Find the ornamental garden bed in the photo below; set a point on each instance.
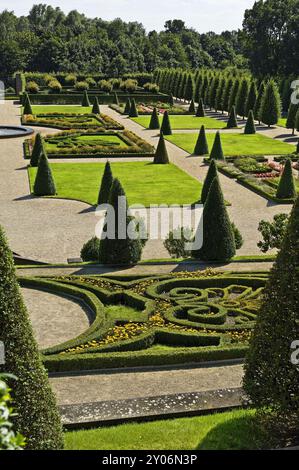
(144, 182)
(262, 177)
(104, 98)
(173, 319)
(72, 121)
(83, 144)
(235, 145)
(147, 109)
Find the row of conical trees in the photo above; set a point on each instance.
(27, 107)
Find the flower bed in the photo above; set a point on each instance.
(179, 318)
(72, 121)
(146, 109)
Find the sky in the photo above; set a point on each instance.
(202, 15)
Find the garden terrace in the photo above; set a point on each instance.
(235, 144)
(72, 121)
(72, 144)
(260, 176)
(143, 182)
(171, 319)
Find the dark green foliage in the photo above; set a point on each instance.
(166, 127)
(250, 126)
(239, 242)
(37, 417)
(270, 106)
(218, 236)
(38, 148)
(133, 110)
(242, 98)
(273, 233)
(271, 379)
(297, 120)
(251, 99)
(217, 151)
(257, 106)
(154, 122)
(90, 250)
(286, 187)
(201, 146)
(161, 155)
(171, 100)
(115, 99)
(27, 106)
(128, 106)
(189, 90)
(226, 94)
(121, 249)
(291, 120)
(219, 95)
(211, 175)
(233, 94)
(106, 184)
(232, 120)
(213, 92)
(176, 240)
(85, 99)
(200, 109)
(96, 106)
(44, 184)
(192, 107)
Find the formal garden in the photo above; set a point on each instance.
(203, 335)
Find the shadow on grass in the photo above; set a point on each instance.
(236, 434)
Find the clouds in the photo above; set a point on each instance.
(203, 15)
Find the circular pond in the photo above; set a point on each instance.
(14, 131)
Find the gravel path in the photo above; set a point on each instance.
(54, 318)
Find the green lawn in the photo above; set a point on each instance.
(144, 182)
(45, 109)
(282, 122)
(185, 122)
(234, 430)
(236, 144)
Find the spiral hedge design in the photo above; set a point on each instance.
(157, 320)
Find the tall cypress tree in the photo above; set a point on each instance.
(133, 110)
(161, 154)
(242, 98)
(232, 120)
(85, 99)
(38, 148)
(192, 107)
(291, 120)
(200, 110)
(219, 95)
(96, 106)
(286, 187)
(217, 151)
(213, 92)
(212, 173)
(44, 184)
(251, 99)
(218, 236)
(257, 106)
(166, 126)
(36, 415)
(154, 122)
(106, 183)
(233, 94)
(226, 94)
(189, 90)
(128, 106)
(121, 249)
(271, 380)
(271, 105)
(250, 126)
(201, 146)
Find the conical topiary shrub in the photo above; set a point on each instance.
(128, 106)
(192, 107)
(154, 122)
(96, 106)
(85, 100)
(38, 148)
(257, 106)
(250, 126)
(200, 109)
(271, 378)
(286, 187)
(292, 117)
(252, 97)
(161, 155)
(121, 249)
(36, 414)
(270, 111)
(212, 173)
(217, 151)
(107, 180)
(218, 236)
(201, 146)
(44, 184)
(133, 110)
(27, 106)
(232, 120)
(166, 127)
